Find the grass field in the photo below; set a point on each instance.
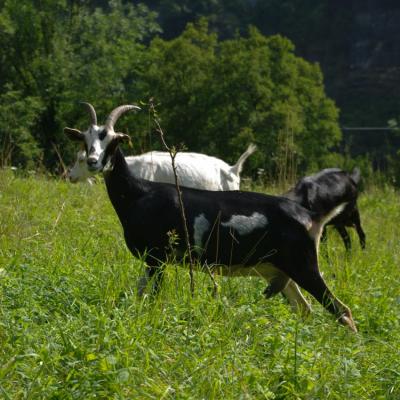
(72, 327)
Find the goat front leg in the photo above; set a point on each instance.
(361, 236)
(142, 283)
(324, 235)
(280, 282)
(312, 281)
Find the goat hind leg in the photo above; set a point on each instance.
(151, 272)
(277, 283)
(345, 236)
(359, 229)
(296, 299)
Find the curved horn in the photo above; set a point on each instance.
(117, 112)
(91, 111)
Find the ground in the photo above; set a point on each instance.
(72, 326)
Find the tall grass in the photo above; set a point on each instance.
(72, 327)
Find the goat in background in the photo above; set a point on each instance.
(328, 188)
(195, 170)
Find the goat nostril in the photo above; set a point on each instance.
(91, 161)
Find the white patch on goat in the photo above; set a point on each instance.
(296, 299)
(200, 226)
(315, 231)
(79, 172)
(304, 220)
(244, 224)
(97, 147)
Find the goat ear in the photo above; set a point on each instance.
(123, 137)
(74, 134)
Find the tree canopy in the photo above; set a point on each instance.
(55, 54)
(217, 96)
(214, 95)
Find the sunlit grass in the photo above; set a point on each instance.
(72, 326)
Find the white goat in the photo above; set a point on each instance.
(194, 170)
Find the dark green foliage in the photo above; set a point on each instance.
(18, 115)
(55, 54)
(215, 96)
(356, 44)
(218, 83)
(219, 96)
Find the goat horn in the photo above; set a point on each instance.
(116, 113)
(91, 111)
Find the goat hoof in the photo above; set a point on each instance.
(269, 292)
(347, 320)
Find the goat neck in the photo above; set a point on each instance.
(123, 188)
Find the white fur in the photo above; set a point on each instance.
(98, 146)
(296, 299)
(315, 230)
(244, 224)
(194, 170)
(79, 172)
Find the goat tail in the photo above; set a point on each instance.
(356, 175)
(237, 168)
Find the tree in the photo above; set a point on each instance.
(18, 115)
(176, 73)
(57, 53)
(218, 96)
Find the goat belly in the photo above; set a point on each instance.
(231, 248)
(264, 270)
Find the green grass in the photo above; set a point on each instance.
(72, 327)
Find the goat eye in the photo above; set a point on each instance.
(102, 134)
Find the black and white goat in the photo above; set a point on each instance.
(234, 233)
(326, 189)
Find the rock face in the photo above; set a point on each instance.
(373, 60)
(357, 44)
(366, 81)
